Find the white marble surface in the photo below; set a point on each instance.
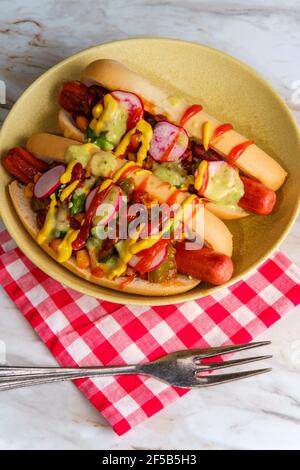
(258, 413)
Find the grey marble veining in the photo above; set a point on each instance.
(263, 412)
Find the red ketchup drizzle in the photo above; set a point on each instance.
(148, 255)
(79, 243)
(134, 118)
(172, 198)
(237, 151)
(126, 281)
(142, 186)
(169, 149)
(221, 130)
(128, 171)
(204, 183)
(190, 112)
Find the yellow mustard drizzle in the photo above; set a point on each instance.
(150, 241)
(142, 171)
(97, 110)
(200, 174)
(125, 253)
(121, 148)
(105, 185)
(64, 250)
(121, 170)
(132, 245)
(174, 100)
(146, 135)
(189, 200)
(146, 130)
(206, 131)
(50, 222)
(103, 114)
(116, 271)
(67, 175)
(68, 190)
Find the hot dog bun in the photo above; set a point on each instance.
(138, 286)
(215, 232)
(253, 161)
(226, 213)
(49, 147)
(68, 126)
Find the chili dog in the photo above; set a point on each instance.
(208, 157)
(112, 75)
(154, 266)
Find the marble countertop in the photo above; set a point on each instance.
(262, 412)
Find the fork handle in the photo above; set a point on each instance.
(16, 377)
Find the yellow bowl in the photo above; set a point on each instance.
(227, 89)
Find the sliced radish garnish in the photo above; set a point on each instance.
(89, 198)
(48, 182)
(168, 143)
(133, 105)
(109, 206)
(137, 261)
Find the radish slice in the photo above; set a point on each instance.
(168, 143)
(109, 206)
(48, 182)
(89, 198)
(157, 260)
(133, 105)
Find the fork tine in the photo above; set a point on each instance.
(220, 351)
(209, 380)
(233, 362)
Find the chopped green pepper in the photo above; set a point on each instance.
(59, 234)
(107, 257)
(127, 186)
(78, 201)
(94, 243)
(100, 140)
(167, 269)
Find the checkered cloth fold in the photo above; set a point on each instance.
(80, 330)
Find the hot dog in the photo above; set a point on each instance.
(211, 266)
(146, 266)
(22, 165)
(209, 140)
(257, 198)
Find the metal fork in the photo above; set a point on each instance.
(181, 369)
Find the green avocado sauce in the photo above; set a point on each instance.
(112, 132)
(173, 173)
(103, 164)
(225, 187)
(79, 153)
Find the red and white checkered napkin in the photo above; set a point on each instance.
(81, 330)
